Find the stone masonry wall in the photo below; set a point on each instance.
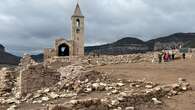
(6, 80)
(35, 77)
(122, 59)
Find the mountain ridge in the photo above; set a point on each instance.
(166, 42)
(8, 58)
(125, 45)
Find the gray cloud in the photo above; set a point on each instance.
(31, 25)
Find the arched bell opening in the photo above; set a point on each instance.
(78, 23)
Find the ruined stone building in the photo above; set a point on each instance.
(73, 47)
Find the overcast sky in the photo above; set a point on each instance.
(28, 26)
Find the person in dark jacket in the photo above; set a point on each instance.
(160, 57)
(184, 55)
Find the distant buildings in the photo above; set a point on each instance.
(167, 46)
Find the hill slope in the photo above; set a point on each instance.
(38, 57)
(7, 58)
(123, 46)
(133, 45)
(171, 41)
(2, 48)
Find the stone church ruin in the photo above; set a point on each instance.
(69, 48)
(30, 76)
(34, 76)
(67, 74)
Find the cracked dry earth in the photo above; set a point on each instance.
(162, 73)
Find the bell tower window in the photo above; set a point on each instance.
(78, 23)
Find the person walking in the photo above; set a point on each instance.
(184, 55)
(173, 55)
(160, 57)
(166, 57)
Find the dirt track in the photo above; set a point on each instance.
(163, 73)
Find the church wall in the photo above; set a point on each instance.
(49, 53)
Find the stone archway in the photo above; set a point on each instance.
(63, 50)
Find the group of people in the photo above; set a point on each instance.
(167, 56)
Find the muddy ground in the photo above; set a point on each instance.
(163, 73)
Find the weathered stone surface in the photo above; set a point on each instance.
(156, 101)
(127, 98)
(60, 107)
(26, 60)
(35, 77)
(79, 79)
(122, 59)
(130, 108)
(6, 81)
(86, 104)
(13, 107)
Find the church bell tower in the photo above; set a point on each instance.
(77, 32)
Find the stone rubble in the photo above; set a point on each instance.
(26, 60)
(121, 97)
(81, 80)
(77, 80)
(121, 59)
(7, 80)
(156, 101)
(129, 99)
(13, 107)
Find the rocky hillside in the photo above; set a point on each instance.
(38, 58)
(133, 45)
(7, 58)
(171, 41)
(123, 46)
